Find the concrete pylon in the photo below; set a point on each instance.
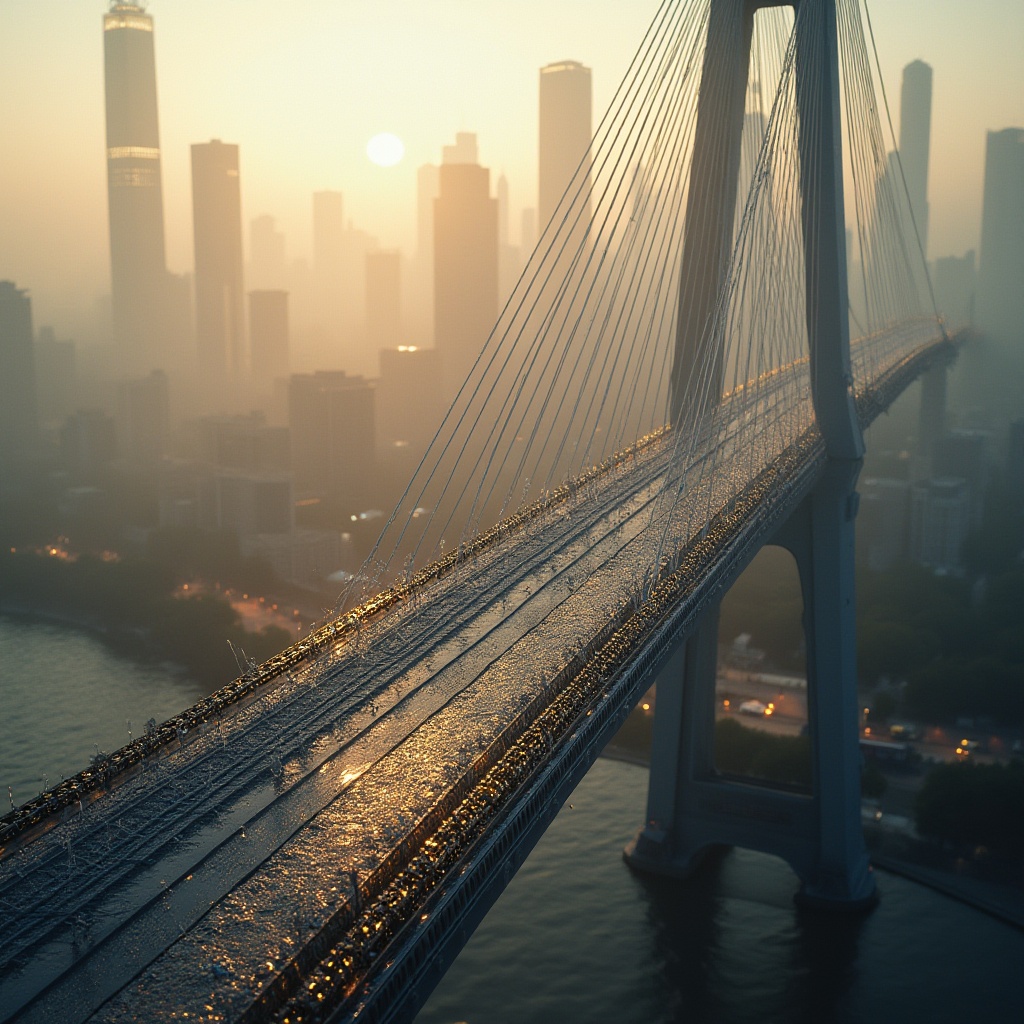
(691, 808)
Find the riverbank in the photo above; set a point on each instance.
(987, 884)
(135, 608)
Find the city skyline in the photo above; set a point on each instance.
(53, 213)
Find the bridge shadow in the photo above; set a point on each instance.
(731, 944)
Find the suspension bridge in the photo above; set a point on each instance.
(671, 386)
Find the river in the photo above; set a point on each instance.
(64, 693)
(577, 936)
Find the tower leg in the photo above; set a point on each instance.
(691, 808)
(682, 751)
(820, 537)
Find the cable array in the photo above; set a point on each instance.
(649, 256)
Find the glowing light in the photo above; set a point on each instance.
(385, 150)
(133, 153)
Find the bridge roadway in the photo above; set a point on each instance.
(194, 885)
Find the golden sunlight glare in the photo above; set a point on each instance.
(385, 149)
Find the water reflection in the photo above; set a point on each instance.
(578, 936)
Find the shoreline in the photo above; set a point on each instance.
(94, 628)
(1003, 902)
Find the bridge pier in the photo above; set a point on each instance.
(691, 808)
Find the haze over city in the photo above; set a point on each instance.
(357, 552)
(302, 87)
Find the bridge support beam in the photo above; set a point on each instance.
(691, 809)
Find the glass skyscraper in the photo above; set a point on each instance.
(135, 195)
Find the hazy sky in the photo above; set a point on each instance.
(301, 85)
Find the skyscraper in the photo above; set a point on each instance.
(134, 190)
(19, 424)
(1001, 269)
(383, 298)
(267, 267)
(331, 418)
(915, 140)
(268, 335)
(465, 266)
(217, 225)
(565, 137)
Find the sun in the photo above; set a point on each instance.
(385, 150)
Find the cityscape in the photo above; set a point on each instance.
(397, 410)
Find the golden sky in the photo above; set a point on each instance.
(301, 86)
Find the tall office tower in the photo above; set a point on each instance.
(465, 268)
(915, 140)
(331, 418)
(565, 137)
(463, 152)
(268, 337)
(1001, 270)
(383, 298)
(134, 191)
(217, 225)
(421, 290)
(19, 420)
(267, 267)
(509, 259)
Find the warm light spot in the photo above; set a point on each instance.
(385, 150)
(647, 707)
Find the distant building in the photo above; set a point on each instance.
(383, 298)
(966, 455)
(304, 556)
(55, 376)
(409, 402)
(465, 264)
(883, 522)
(252, 503)
(464, 151)
(143, 418)
(510, 260)
(243, 442)
(428, 184)
(268, 337)
(915, 141)
(939, 523)
(134, 191)
(331, 419)
(954, 279)
(1001, 270)
(267, 265)
(19, 416)
(565, 137)
(217, 225)
(88, 443)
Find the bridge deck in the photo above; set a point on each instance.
(196, 883)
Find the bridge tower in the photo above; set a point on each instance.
(690, 808)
